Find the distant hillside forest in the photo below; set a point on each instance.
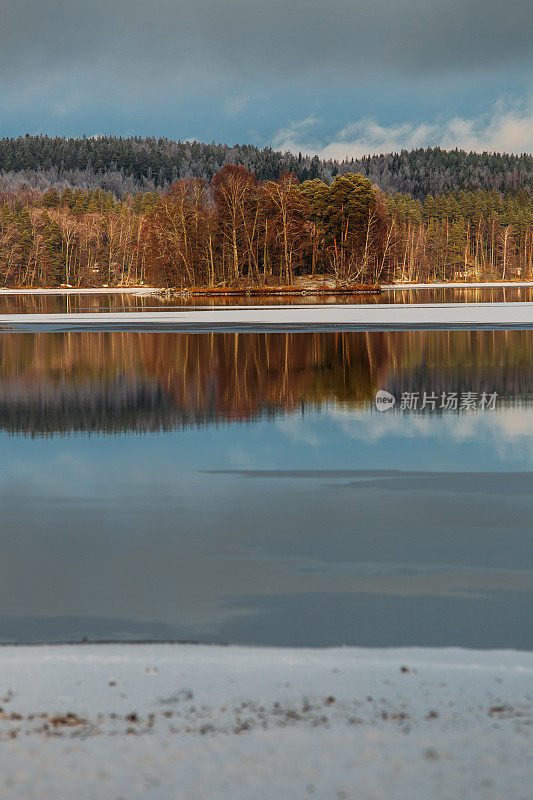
(239, 230)
(122, 166)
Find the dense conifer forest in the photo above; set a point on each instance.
(124, 165)
(97, 212)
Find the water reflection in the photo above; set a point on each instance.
(267, 500)
(142, 382)
(466, 295)
(71, 303)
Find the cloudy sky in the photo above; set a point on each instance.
(337, 77)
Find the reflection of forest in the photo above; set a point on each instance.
(73, 303)
(460, 361)
(141, 381)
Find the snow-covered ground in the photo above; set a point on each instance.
(444, 316)
(185, 721)
(452, 285)
(138, 290)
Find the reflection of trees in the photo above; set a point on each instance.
(239, 375)
(460, 361)
(69, 303)
(46, 408)
(161, 381)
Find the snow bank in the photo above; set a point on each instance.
(443, 285)
(138, 290)
(444, 316)
(185, 721)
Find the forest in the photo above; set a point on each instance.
(239, 230)
(122, 166)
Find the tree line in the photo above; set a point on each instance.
(122, 166)
(239, 230)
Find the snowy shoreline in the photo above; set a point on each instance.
(141, 291)
(433, 316)
(452, 285)
(194, 721)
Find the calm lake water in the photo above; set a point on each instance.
(50, 304)
(244, 487)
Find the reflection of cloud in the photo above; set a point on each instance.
(514, 423)
(64, 474)
(369, 426)
(510, 430)
(291, 428)
(240, 458)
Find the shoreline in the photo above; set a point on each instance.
(454, 285)
(138, 290)
(149, 290)
(138, 721)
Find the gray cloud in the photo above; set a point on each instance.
(132, 42)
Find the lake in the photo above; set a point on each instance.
(245, 488)
(75, 303)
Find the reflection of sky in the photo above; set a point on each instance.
(334, 438)
(479, 440)
(133, 527)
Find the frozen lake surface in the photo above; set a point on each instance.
(297, 318)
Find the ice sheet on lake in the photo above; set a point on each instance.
(434, 316)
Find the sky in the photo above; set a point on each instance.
(340, 78)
